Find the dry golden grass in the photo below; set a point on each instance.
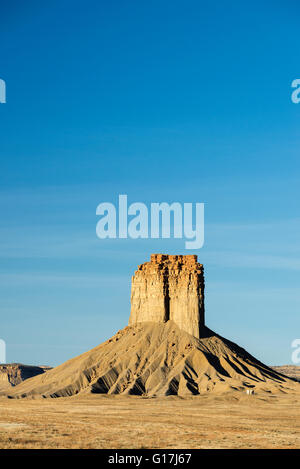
(229, 421)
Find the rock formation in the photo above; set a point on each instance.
(165, 350)
(12, 374)
(158, 359)
(169, 288)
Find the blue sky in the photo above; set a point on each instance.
(163, 101)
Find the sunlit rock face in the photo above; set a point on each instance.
(169, 288)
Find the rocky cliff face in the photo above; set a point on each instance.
(169, 288)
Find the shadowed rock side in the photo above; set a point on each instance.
(152, 359)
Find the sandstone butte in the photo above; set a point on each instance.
(165, 350)
(169, 288)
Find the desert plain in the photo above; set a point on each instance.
(233, 420)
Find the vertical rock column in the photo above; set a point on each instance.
(169, 287)
(148, 294)
(186, 290)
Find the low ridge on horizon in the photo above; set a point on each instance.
(12, 374)
(165, 350)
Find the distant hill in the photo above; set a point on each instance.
(12, 374)
(293, 371)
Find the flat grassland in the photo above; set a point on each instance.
(98, 421)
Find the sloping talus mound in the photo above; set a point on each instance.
(153, 359)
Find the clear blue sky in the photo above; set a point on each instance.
(163, 101)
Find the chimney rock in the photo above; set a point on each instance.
(169, 288)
